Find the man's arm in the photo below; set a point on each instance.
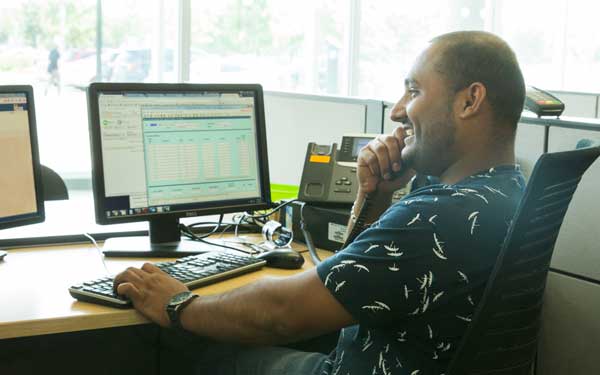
(269, 311)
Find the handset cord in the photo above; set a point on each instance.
(359, 226)
(312, 251)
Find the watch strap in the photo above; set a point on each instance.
(174, 310)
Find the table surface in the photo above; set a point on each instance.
(34, 284)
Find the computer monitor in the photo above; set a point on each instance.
(21, 200)
(165, 151)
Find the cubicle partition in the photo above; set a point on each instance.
(579, 104)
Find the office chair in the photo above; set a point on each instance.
(54, 188)
(502, 337)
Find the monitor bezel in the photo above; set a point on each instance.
(98, 183)
(40, 215)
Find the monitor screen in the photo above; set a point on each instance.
(20, 188)
(174, 150)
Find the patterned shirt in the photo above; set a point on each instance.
(413, 279)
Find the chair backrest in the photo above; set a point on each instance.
(502, 336)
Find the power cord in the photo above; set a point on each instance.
(260, 217)
(187, 229)
(273, 210)
(187, 232)
(99, 252)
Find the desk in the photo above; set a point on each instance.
(43, 329)
(34, 293)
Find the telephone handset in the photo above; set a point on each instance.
(542, 103)
(359, 224)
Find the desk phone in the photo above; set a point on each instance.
(329, 174)
(542, 103)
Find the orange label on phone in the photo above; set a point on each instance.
(320, 158)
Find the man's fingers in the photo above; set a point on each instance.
(399, 133)
(130, 291)
(130, 275)
(369, 159)
(381, 160)
(394, 148)
(381, 151)
(151, 268)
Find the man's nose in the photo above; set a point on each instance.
(398, 112)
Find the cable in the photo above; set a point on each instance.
(244, 217)
(99, 252)
(314, 257)
(359, 226)
(215, 229)
(186, 231)
(272, 210)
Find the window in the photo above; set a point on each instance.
(538, 44)
(340, 47)
(392, 33)
(582, 55)
(52, 45)
(283, 45)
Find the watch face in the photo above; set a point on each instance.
(179, 298)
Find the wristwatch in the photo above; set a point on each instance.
(177, 303)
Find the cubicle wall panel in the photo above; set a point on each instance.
(529, 145)
(578, 105)
(570, 335)
(578, 245)
(293, 121)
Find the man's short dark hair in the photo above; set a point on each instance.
(477, 56)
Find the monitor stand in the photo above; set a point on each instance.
(2, 254)
(164, 241)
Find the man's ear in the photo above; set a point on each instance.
(470, 100)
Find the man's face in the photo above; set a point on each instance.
(426, 108)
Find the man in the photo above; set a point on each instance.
(404, 291)
(54, 74)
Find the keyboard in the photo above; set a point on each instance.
(193, 271)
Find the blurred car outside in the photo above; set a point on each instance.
(80, 72)
(135, 65)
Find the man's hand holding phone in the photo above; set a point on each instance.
(381, 171)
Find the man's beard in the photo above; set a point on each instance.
(432, 153)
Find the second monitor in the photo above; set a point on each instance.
(165, 151)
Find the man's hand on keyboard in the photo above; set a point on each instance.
(149, 289)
